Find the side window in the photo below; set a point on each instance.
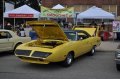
(5, 35)
(9, 35)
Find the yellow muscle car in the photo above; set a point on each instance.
(55, 45)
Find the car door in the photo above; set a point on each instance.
(5, 41)
(84, 42)
(80, 47)
(86, 45)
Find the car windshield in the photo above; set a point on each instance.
(71, 35)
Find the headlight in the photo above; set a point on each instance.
(23, 52)
(41, 54)
(118, 55)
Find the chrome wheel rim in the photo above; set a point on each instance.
(93, 51)
(69, 59)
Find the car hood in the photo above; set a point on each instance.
(47, 29)
(91, 31)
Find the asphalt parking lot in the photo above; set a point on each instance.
(99, 66)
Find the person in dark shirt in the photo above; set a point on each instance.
(8, 26)
(33, 35)
(103, 26)
(93, 23)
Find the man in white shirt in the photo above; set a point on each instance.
(27, 30)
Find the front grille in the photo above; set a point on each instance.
(40, 54)
(23, 52)
(31, 59)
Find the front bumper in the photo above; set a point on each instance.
(32, 56)
(34, 60)
(117, 61)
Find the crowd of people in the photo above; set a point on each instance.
(65, 25)
(24, 30)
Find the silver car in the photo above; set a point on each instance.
(117, 59)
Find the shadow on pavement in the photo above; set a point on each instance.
(2, 54)
(49, 67)
(44, 67)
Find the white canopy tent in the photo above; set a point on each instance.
(58, 6)
(22, 12)
(95, 13)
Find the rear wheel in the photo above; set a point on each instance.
(68, 61)
(92, 52)
(118, 67)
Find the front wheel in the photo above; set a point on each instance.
(68, 61)
(118, 67)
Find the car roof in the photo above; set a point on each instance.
(4, 30)
(10, 31)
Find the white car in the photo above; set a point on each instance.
(10, 40)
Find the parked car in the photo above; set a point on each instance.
(55, 45)
(9, 40)
(117, 59)
(93, 31)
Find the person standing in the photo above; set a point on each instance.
(22, 32)
(118, 31)
(70, 25)
(27, 30)
(102, 26)
(8, 26)
(33, 35)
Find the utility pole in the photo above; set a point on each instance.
(39, 4)
(3, 14)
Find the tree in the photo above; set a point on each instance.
(32, 3)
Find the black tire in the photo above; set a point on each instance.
(92, 52)
(68, 61)
(102, 38)
(118, 67)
